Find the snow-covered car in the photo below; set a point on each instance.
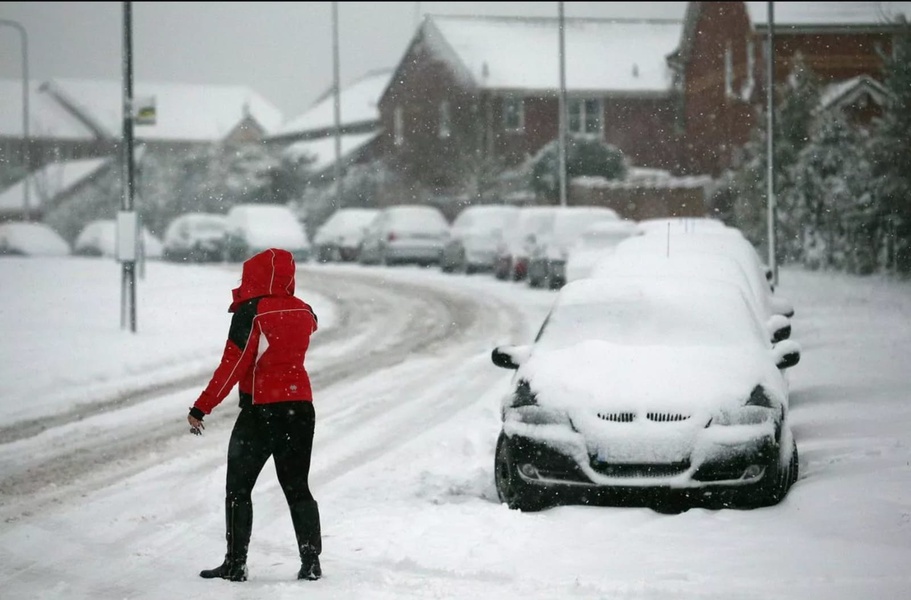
(680, 225)
(406, 233)
(195, 237)
(550, 249)
(31, 239)
(511, 262)
(99, 238)
(726, 241)
(339, 237)
(647, 385)
(476, 233)
(253, 228)
(597, 241)
(704, 267)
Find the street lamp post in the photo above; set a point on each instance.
(561, 106)
(336, 109)
(23, 36)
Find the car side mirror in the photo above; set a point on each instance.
(782, 306)
(787, 354)
(509, 357)
(779, 327)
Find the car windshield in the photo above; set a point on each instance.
(632, 316)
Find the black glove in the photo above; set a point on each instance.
(195, 420)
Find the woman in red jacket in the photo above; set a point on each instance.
(267, 343)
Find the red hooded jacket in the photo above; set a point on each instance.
(268, 339)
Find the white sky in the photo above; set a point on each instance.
(283, 50)
(404, 452)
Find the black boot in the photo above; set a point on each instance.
(305, 517)
(238, 525)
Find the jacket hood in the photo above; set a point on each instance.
(269, 273)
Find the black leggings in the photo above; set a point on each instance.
(284, 431)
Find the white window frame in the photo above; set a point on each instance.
(728, 71)
(519, 112)
(445, 129)
(584, 116)
(398, 125)
(750, 83)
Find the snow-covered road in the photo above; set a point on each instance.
(123, 503)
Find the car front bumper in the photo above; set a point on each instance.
(717, 456)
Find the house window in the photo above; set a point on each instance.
(398, 125)
(445, 120)
(728, 71)
(585, 116)
(747, 92)
(513, 114)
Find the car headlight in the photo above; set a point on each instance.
(756, 410)
(523, 396)
(525, 408)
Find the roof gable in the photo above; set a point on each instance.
(184, 112)
(827, 14)
(46, 118)
(517, 53)
(358, 105)
(49, 182)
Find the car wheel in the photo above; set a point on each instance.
(511, 488)
(778, 480)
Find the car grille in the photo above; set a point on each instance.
(629, 417)
(639, 470)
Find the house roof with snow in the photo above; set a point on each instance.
(522, 54)
(827, 15)
(358, 104)
(852, 91)
(322, 150)
(46, 118)
(47, 183)
(184, 112)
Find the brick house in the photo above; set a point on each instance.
(471, 93)
(720, 66)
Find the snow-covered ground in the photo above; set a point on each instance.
(104, 493)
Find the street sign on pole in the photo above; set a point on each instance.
(144, 111)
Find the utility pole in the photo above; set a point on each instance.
(337, 108)
(26, 137)
(770, 137)
(561, 104)
(127, 223)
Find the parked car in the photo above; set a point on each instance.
(724, 242)
(550, 249)
(253, 228)
(99, 238)
(409, 233)
(680, 224)
(475, 234)
(195, 237)
(597, 241)
(512, 253)
(340, 236)
(643, 384)
(31, 239)
(702, 267)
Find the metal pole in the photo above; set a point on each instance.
(129, 266)
(770, 137)
(27, 140)
(562, 107)
(337, 108)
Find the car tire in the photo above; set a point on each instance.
(773, 489)
(512, 490)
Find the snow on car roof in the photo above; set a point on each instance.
(634, 342)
